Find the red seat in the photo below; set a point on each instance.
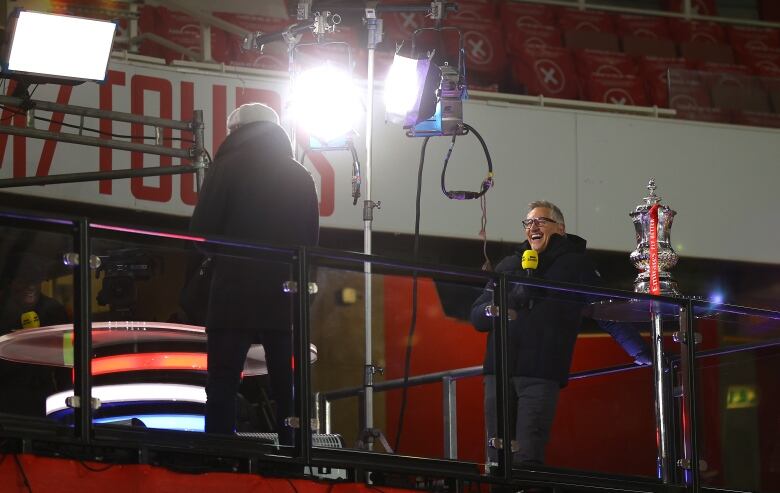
(483, 43)
(591, 40)
(642, 26)
(706, 52)
(761, 60)
(585, 20)
(588, 29)
(518, 39)
(616, 89)
(515, 14)
(700, 7)
(751, 98)
(746, 39)
(654, 72)
(690, 98)
(547, 71)
(733, 87)
(274, 55)
(597, 62)
(641, 46)
(726, 74)
(399, 26)
(687, 91)
(701, 32)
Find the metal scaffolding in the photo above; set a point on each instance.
(196, 153)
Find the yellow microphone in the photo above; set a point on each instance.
(530, 261)
(30, 320)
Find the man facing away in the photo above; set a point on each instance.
(254, 191)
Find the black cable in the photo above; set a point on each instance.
(413, 322)
(486, 183)
(21, 471)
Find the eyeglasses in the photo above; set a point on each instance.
(539, 221)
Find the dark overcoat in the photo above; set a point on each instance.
(254, 192)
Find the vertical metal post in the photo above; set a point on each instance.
(302, 369)
(368, 218)
(205, 42)
(690, 462)
(199, 147)
(687, 8)
(325, 426)
(450, 413)
(664, 469)
(132, 27)
(501, 351)
(82, 336)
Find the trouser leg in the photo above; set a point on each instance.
(227, 350)
(491, 414)
(536, 402)
(278, 358)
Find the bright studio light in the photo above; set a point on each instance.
(325, 103)
(402, 88)
(60, 46)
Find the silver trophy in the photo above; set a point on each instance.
(667, 257)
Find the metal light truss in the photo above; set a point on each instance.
(195, 153)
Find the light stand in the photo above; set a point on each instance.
(368, 432)
(374, 25)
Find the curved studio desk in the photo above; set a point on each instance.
(132, 346)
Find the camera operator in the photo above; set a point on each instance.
(24, 387)
(24, 306)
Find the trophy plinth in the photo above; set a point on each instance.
(667, 257)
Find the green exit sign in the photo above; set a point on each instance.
(741, 397)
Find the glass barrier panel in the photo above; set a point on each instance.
(184, 333)
(427, 400)
(579, 397)
(36, 303)
(737, 364)
(725, 94)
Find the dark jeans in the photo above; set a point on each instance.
(532, 403)
(227, 350)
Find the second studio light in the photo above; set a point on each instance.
(59, 46)
(410, 90)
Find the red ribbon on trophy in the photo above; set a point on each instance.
(655, 285)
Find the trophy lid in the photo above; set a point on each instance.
(650, 200)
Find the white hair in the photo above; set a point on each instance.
(249, 113)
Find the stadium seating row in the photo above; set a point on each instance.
(536, 49)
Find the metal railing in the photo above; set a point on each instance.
(681, 472)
